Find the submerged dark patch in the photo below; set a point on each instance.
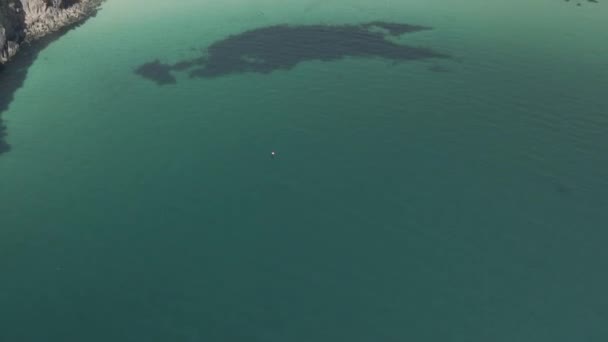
(395, 29)
(579, 3)
(282, 47)
(157, 71)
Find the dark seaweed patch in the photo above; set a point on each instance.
(395, 29)
(282, 47)
(578, 3)
(157, 71)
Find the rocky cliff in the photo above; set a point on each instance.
(27, 20)
(12, 28)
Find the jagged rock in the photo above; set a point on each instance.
(28, 20)
(45, 16)
(11, 28)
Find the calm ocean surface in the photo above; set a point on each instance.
(456, 199)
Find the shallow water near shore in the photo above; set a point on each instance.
(461, 198)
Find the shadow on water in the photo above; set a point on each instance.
(14, 73)
(282, 47)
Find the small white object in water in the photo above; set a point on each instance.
(273, 153)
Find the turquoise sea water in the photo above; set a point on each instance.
(405, 204)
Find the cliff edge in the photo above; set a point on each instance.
(12, 28)
(28, 20)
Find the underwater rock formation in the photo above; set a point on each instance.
(282, 47)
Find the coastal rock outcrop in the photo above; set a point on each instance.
(12, 28)
(45, 16)
(28, 20)
(32, 25)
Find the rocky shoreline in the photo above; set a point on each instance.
(28, 26)
(24, 21)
